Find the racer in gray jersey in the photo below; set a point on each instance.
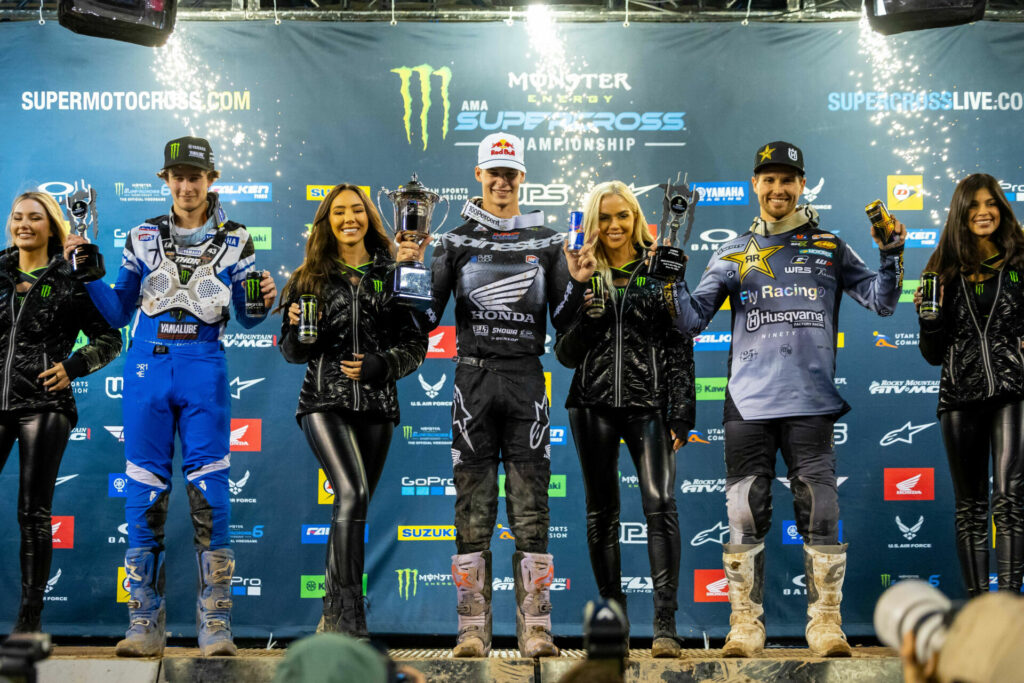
(506, 271)
(784, 280)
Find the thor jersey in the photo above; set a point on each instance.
(784, 291)
(504, 282)
(143, 253)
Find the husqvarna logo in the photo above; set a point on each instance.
(424, 72)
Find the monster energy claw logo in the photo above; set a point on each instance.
(378, 286)
(184, 274)
(424, 71)
(119, 189)
(174, 150)
(252, 289)
(44, 291)
(407, 578)
(407, 431)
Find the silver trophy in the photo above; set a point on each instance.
(413, 206)
(669, 260)
(86, 259)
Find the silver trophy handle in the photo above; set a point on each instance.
(447, 210)
(380, 211)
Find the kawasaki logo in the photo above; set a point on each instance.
(424, 71)
(175, 147)
(407, 578)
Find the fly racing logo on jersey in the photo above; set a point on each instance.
(494, 298)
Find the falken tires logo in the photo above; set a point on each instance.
(424, 72)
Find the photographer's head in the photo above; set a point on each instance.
(500, 169)
(778, 179)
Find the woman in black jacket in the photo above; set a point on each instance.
(978, 340)
(42, 309)
(348, 405)
(634, 381)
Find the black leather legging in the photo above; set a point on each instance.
(41, 439)
(597, 433)
(970, 435)
(352, 454)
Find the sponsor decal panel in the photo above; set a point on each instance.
(909, 483)
(246, 434)
(790, 535)
(439, 532)
(441, 342)
(63, 530)
(904, 192)
(711, 388)
(710, 585)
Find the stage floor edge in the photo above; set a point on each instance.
(181, 665)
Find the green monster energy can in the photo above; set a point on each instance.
(307, 319)
(595, 309)
(929, 309)
(254, 305)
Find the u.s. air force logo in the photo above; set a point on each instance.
(753, 257)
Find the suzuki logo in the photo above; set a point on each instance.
(424, 71)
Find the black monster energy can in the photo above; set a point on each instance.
(307, 319)
(254, 305)
(929, 309)
(595, 309)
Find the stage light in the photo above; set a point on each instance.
(144, 22)
(895, 16)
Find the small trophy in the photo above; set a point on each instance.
(413, 207)
(669, 260)
(86, 259)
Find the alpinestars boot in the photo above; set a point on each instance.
(825, 569)
(147, 632)
(744, 568)
(533, 574)
(471, 574)
(213, 606)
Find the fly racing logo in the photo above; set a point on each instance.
(716, 534)
(241, 385)
(637, 584)
(909, 532)
(839, 481)
(236, 486)
(64, 480)
(908, 487)
(496, 296)
(904, 434)
(424, 72)
(432, 390)
(407, 579)
(116, 432)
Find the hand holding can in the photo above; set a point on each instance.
(931, 304)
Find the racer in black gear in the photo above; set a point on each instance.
(506, 270)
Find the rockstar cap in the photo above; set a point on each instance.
(188, 151)
(501, 150)
(779, 153)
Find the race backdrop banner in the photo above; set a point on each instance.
(293, 109)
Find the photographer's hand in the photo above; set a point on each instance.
(912, 671)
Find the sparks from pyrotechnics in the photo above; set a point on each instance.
(178, 67)
(910, 131)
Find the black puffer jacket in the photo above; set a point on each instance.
(42, 331)
(980, 358)
(632, 356)
(356, 318)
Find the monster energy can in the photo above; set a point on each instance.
(929, 309)
(595, 308)
(254, 305)
(307, 319)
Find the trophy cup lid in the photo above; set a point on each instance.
(414, 189)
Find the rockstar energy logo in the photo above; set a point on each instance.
(175, 147)
(407, 578)
(424, 71)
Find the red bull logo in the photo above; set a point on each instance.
(503, 148)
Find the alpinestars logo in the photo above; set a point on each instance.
(239, 385)
(495, 297)
(716, 534)
(460, 418)
(432, 390)
(904, 434)
(424, 71)
(541, 427)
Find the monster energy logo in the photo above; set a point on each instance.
(1013, 276)
(424, 71)
(184, 274)
(886, 580)
(309, 308)
(407, 431)
(378, 286)
(252, 289)
(407, 578)
(640, 281)
(44, 291)
(174, 150)
(119, 189)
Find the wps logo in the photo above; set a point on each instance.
(63, 529)
(442, 342)
(246, 434)
(424, 72)
(909, 483)
(539, 194)
(710, 585)
(905, 192)
(407, 579)
(324, 492)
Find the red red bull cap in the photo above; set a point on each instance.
(501, 150)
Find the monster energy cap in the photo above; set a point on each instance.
(188, 151)
(501, 150)
(779, 153)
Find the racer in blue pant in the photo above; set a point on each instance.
(179, 274)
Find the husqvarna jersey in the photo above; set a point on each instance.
(504, 282)
(143, 256)
(784, 291)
